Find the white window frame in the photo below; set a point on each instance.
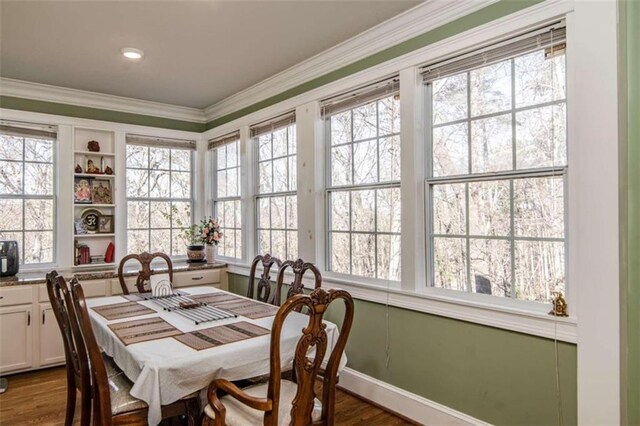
(236, 198)
(54, 198)
(191, 199)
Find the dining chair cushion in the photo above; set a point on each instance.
(121, 399)
(110, 365)
(238, 414)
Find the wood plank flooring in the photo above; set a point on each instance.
(39, 398)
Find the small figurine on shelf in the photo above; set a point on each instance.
(91, 168)
(78, 168)
(559, 305)
(108, 170)
(93, 146)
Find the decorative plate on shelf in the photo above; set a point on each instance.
(91, 220)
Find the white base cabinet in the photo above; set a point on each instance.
(16, 345)
(50, 342)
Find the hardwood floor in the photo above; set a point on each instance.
(39, 398)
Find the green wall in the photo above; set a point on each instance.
(630, 232)
(494, 375)
(32, 105)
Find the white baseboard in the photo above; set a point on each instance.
(410, 405)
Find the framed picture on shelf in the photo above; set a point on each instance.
(91, 220)
(80, 228)
(82, 191)
(105, 224)
(101, 191)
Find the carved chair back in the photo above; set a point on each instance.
(264, 283)
(299, 267)
(145, 272)
(84, 363)
(306, 370)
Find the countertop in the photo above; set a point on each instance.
(100, 273)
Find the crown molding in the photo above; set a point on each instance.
(416, 21)
(63, 95)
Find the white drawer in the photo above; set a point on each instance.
(16, 295)
(195, 278)
(92, 288)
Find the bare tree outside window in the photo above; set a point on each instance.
(498, 177)
(227, 205)
(364, 190)
(159, 198)
(27, 196)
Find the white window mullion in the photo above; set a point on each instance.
(248, 190)
(412, 159)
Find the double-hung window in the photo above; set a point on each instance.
(159, 194)
(276, 200)
(362, 132)
(226, 192)
(27, 190)
(498, 167)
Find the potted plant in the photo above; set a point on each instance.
(211, 235)
(190, 234)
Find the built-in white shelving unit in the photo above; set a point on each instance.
(92, 190)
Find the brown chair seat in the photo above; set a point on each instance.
(121, 399)
(239, 414)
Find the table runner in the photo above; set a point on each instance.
(123, 310)
(143, 330)
(221, 335)
(238, 305)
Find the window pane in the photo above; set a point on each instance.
(389, 210)
(10, 148)
(161, 240)
(38, 214)
(450, 98)
(541, 137)
(390, 159)
(293, 174)
(341, 128)
(159, 184)
(280, 143)
(39, 150)
(451, 150)
(137, 241)
(38, 179)
(539, 207)
(278, 242)
(221, 157)
(264, 207)
(389, 257)
(160, 214)
(238, 252)
(539, 80)
(365, 122)
(280, 178)
(265, 178)
(491, 89)
(389, 115)
(181, 214)
(491, 267)
(365, 162)
(10, 178)
(264, 245)
(362, 261)
(277, 213)
(180, 185)
(179, 243)
(292, 212)
(264, 147)
(491, 144)
(339, 210)
(181, 160)
(137, 214)
(450, 263)
(449, 209)
(11, 217)
(292, 244)
(341, 165)
(539, 269)
(38, 247)
(137, 183)
(340, 252)
(291, 136)
(159, 158)
(489, 208)
(137, 156)
(233, 155)
(363, 210)
(228, 214)
(221, 184)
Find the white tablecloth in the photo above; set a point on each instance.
(165, 370)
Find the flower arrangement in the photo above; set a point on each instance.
(210, 231)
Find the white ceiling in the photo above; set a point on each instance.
(196, 52)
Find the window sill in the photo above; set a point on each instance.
(535, 322)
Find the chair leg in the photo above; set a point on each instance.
(192, 411)
(71, 403)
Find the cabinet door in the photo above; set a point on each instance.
(16, 338)
(51, 344)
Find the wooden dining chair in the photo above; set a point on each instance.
(284, 402)
(108, 389)
(145, 272)
(264, 283)
(299, 267)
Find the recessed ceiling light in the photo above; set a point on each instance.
(131, 53)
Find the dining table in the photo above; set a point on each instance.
(165, 370)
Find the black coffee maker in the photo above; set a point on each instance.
(9, 258)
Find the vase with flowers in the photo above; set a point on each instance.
(211, 235)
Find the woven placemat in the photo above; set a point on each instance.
(122, 310)
(213, 299)
(136, 297)
(248, 308)
(254, 311)
(221, 335)
(143, 330)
